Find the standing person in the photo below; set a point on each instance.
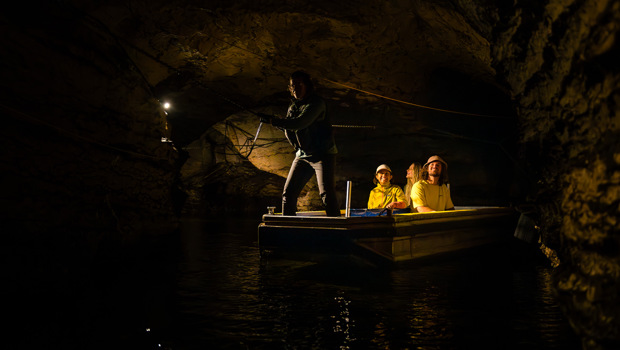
(431, 193)
(413, 176)
(308, 128)
(386, 195)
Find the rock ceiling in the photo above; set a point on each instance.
(197, 52)
(377, 63)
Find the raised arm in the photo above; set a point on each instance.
(309, 112)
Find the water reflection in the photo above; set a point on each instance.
(343, 323)
(428, 322)
(226, 298)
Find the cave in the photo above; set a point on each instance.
(521, 98)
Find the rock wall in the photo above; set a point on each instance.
(85, 172)
(560, 60)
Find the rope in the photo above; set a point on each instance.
(444, 133)
(372, 93)
(324, 79)
(413, 104)
(250, 140)
(263, 59)
(355, 126)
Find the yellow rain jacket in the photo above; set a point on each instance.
(381, 196)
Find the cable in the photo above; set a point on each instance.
(325, 79)
(354, 126)
(413, 104)
(443, 133)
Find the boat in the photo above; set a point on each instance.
(383, 236)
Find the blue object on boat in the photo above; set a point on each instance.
(377, 212)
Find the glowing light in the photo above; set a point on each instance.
(166, 105)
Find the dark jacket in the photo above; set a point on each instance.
(307, 127)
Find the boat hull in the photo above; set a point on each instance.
(400, 237)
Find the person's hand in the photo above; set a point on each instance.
(396, 205)
(265, 118)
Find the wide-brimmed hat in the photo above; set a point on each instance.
(383, 167)
(436, 159)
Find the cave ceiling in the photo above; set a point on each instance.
(212, 58)
(378, 63)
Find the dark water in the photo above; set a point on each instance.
(210, 290)
(227, 298)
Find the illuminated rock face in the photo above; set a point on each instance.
(563, 72)
(538, 81)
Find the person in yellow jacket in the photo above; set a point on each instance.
(386, 195)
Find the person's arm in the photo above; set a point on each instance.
(401, 200)
(310, 112)
(423, 209)
(397, 205)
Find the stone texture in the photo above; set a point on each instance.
(563, 71)
(85, 174)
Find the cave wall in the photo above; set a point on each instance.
(560, 60)
(85, 172)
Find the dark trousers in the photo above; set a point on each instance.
(301, 172)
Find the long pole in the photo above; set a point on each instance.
(257, 132)
(347, 211)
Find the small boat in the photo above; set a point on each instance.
(379, 236)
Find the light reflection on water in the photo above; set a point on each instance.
(225, 298)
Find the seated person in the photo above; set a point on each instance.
(431, 192)
(413, 176)
(386, 195)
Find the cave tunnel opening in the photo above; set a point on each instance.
(481, 139)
